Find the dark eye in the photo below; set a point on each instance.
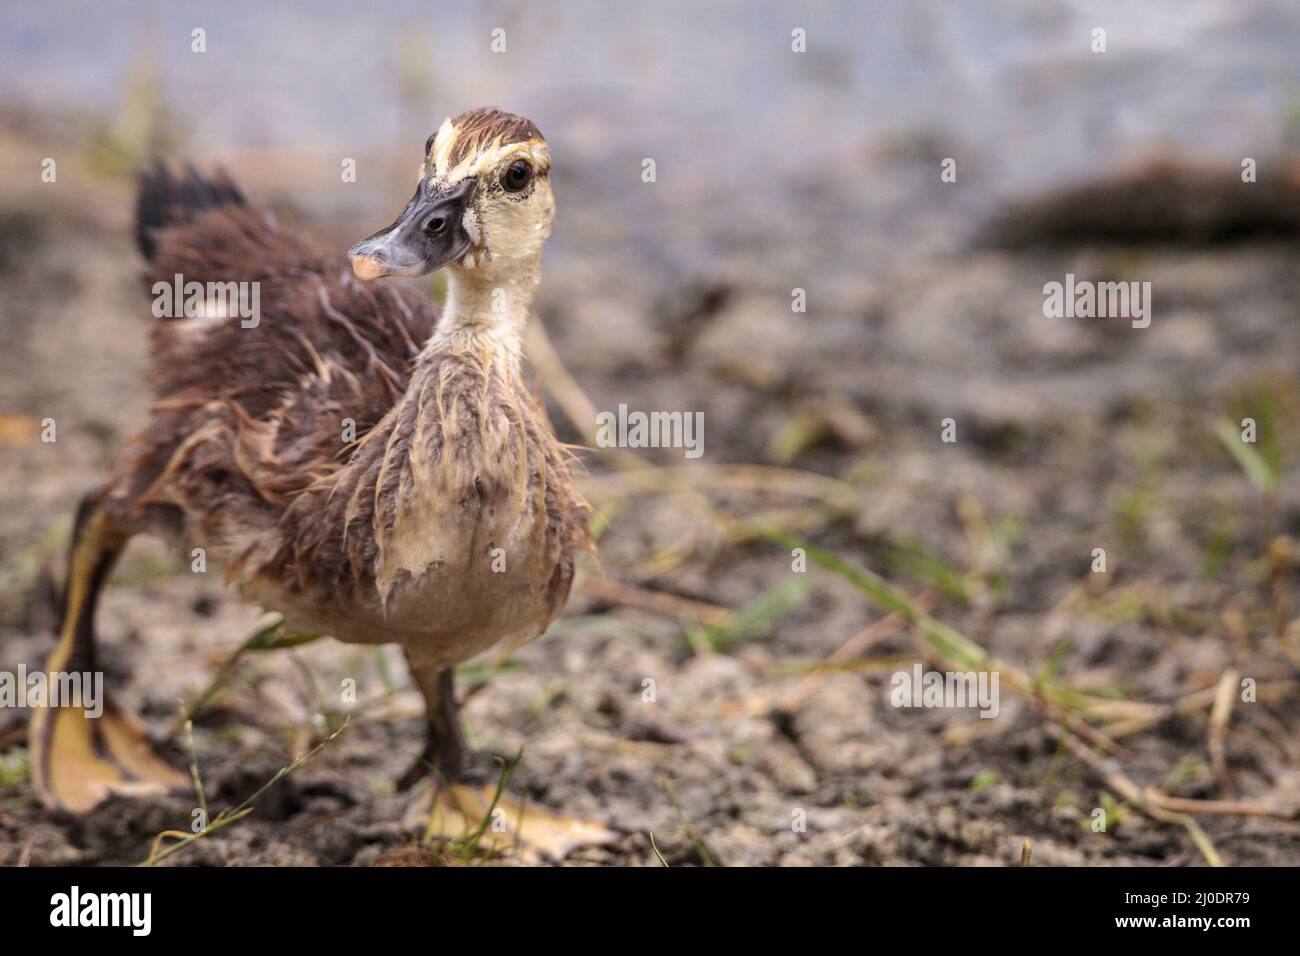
(517, 176)
(428, 143)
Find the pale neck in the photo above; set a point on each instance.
(488, 308)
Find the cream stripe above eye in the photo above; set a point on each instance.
(446, 138)
(535, 151)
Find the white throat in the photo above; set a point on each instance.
(488, 307)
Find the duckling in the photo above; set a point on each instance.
(448, 524)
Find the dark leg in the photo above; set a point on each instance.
(444, 748)
(83, 750)
(455, 807)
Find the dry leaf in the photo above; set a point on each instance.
(530, 830)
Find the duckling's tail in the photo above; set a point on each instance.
(166, 200)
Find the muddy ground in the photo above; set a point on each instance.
(1071, 435)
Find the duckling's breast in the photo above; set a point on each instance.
(452, 528)
(457, 607)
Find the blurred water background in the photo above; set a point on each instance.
(752, 137)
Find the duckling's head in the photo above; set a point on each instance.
(483, 202)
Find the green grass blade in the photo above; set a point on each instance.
(1257, 469)
(938, 635)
